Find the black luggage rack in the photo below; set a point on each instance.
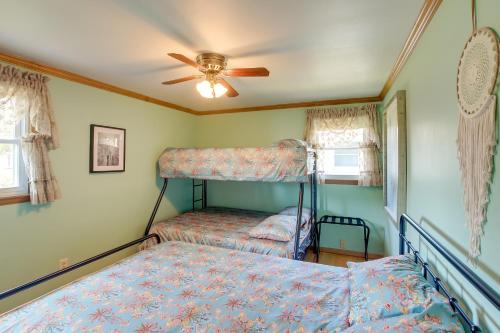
(343, 220)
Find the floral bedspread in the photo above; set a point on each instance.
(223, 227)
(270, 164)
(182, 287)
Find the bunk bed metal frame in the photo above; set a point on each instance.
(405, 246)
(313, 201)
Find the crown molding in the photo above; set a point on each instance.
(339, 101)
(425, 16)
(19, 61)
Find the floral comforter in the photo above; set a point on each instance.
(225, 227)
(182, 287)
(270, 164)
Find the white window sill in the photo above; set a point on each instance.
(13, 191)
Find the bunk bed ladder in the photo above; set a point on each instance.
(203, 193)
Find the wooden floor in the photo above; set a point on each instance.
(332, 259)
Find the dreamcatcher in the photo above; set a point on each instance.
(476, 79)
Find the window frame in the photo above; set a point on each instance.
(342, 175)
(19, 193)
(342, 179)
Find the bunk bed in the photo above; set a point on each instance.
(183, 287)
(288, 161)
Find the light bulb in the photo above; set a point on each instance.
(205, 89)
(209, 90)
(219, 90)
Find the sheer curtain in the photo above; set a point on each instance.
(336, 127)
(27, 95)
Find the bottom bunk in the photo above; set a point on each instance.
(231, 228)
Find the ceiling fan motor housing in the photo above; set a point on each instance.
(213, 62)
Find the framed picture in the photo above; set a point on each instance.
(395, 156)
(107, 149)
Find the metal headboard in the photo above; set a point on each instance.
(486, 290)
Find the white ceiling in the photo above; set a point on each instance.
(315, 50)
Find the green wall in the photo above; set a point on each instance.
(97, 211)
(264, 128)
(434, 186)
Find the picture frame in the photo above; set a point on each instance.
(394, 147)
(107, 149)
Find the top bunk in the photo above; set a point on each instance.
(286, 161)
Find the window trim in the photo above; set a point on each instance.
(14, 199)
(19, 193)
(342, 179)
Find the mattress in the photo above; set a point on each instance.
(269, 164)
(227, 228)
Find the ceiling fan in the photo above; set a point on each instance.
(213, 67)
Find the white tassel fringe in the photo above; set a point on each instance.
(476, 147)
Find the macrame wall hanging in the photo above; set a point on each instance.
(476, 80)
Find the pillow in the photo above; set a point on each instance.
(387, 287)
(275, 227)
(438, 317)
(292, 211)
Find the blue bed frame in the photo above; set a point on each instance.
(405, 246)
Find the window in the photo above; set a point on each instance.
(342, 161)
(13, 180)
(347, 141)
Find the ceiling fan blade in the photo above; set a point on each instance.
(231, 92)
(186, 60)
(257, 71)
(182, 79)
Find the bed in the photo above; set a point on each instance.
(227, 228)
(288, 160)
(183, 287)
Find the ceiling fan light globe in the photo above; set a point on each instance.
(205, 89)
(219, 90)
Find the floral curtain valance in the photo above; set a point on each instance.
(347, 126)
(26, 94)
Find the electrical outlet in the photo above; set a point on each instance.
(342, 244)
(63, 263)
